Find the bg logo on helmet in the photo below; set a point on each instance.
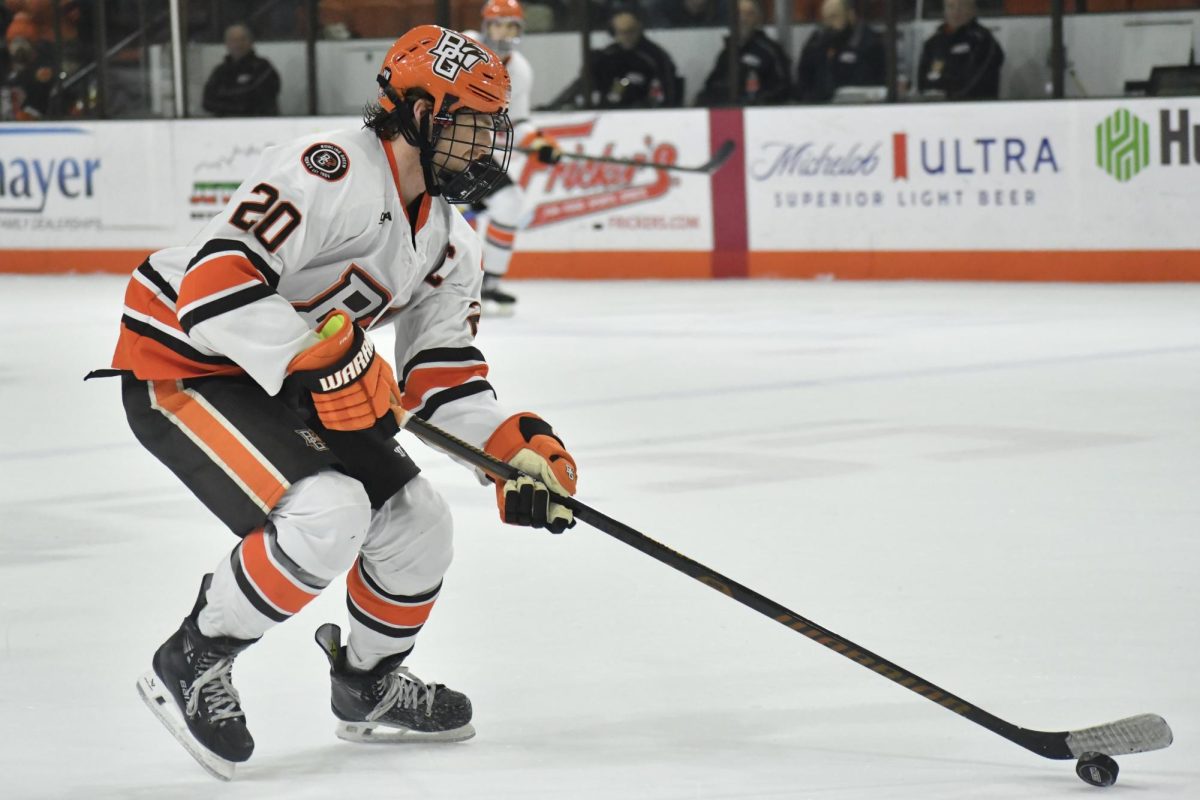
(455, 53)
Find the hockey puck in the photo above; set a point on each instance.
(1097, 769)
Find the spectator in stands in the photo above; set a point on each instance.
(243, 85)
(842, 51)
(6, 17)
(542, 16)
(689, 13)
(962, 59)
(374, 19)
(42, 14)
(29, 76)
(764, 74)
(633, 72)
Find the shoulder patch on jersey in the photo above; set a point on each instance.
(326, 160)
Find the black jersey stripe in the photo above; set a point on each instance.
(214, 246)
(436, 355)
(215, 308)
(153, 275)
(415, 599)
(439, 399)
(171, 343)
(314, 584)
(395, 631)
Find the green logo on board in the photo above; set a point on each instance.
(1122, 145)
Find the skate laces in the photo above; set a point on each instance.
(406, 691)
(215, 684)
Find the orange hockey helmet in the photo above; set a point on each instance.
(468, 88)
(502, 11)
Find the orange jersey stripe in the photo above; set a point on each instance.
(149, 360)
(249, 468)
(215, 275)
(426, 200)
(384, 610)
(500, 235)
(273, 583)
(424, 379)
(144, 300)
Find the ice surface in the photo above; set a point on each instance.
(993, 485)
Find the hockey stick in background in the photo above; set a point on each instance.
(1137, 734)
(708, 168)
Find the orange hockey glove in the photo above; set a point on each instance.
(351, 385)
(528, 443)
(547, 148)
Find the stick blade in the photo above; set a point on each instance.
(720, 156)
(1138, 734)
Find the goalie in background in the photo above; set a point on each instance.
(500, 214)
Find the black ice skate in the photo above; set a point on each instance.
(388, 703)
(191, 691)
(496, 301)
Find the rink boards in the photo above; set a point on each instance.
(1076, 190)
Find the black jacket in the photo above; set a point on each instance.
(248, 87)
(643, 77)
(764, 74)
(677, 14)
(831, 59)
(25, 91)
(965, 64)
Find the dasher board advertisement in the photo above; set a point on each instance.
(594, 206)
(1080, 175)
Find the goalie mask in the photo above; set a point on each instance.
(466, 140)
(503, 24)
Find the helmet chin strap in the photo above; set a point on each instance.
(465, 186)
(417, 135)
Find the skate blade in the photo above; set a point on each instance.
(160, 701)
(375, 733)
(493, 309)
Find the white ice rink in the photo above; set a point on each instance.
(995, 486)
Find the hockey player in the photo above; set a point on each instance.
(246, 369)
(500, 212)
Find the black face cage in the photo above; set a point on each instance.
(455, 174)
(461, 134)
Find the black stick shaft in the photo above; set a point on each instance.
(1050, 745)
(716, 162)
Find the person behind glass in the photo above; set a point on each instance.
(962, 60)
(688, 13)
(243, 85)
(28, 74)
(842, 51)
(633, 72)
(764, 74)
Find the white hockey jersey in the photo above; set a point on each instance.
(520, 106)
(318, 226)
(520, 98)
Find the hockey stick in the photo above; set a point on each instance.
(1137, 734)
(708, 168)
